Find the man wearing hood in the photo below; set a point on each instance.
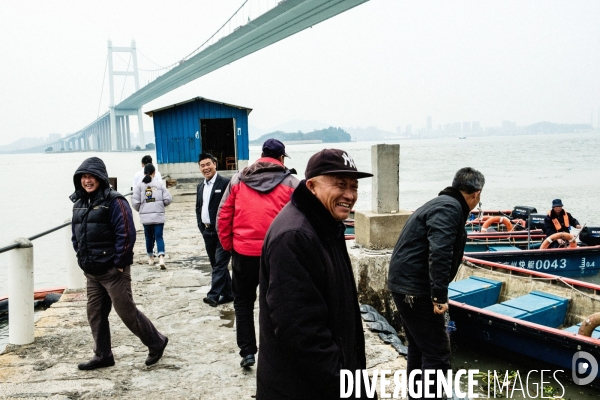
(426, 258)
(103, 236)
(252, 200)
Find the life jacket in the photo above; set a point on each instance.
(556, 222)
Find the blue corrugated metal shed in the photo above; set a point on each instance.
(177, 128)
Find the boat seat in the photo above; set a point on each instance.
(475, 291)
(538, 307)
(504, 248)
(575, 329)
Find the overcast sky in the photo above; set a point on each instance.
(384, 63)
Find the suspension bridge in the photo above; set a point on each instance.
(254, 25)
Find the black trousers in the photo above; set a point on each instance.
(219, 260)
(245, 282)
(428, 342)
(114, 288)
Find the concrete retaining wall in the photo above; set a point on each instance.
(370, 271)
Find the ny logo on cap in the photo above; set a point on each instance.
(348, 160)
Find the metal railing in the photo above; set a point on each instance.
(39, 235)
(20, 283)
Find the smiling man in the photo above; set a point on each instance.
(310, 326)
(103, 239)
(208, 197)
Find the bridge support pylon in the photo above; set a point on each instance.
(120, 135)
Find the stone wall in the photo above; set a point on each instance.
(370, 271)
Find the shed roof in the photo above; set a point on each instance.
(151, 113)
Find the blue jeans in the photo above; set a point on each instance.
(154, 233)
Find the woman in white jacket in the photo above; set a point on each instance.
(150, 197)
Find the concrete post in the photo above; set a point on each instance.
(385, 162)
(127, 132)
(20, 293)
(75, 278)
(379, 229)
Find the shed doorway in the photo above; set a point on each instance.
(218, 138)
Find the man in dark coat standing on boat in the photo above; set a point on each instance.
(208, 198)
(103, 236)
(559, 220)
(309, 322)
(426, 258)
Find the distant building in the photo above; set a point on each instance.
(429, 124)
(475, 127)
(466, 127)
(408, 130)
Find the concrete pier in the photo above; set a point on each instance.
(201, 360)
(380, 227)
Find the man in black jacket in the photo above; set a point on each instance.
(558, 220)
(310, 326)
(426, 258)
(208, 198)
(103, 236)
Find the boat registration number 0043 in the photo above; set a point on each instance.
(539, 264)
(547, 264)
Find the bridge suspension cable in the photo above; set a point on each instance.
(102, 90)
(146, 57)
(249, 10)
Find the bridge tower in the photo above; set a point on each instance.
(120, 137)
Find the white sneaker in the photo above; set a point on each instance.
(161, 262)
(151, 261)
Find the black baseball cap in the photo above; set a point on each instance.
(333, 162)
(274, 148)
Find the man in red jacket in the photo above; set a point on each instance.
(252, 200)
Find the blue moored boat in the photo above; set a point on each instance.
(580, 260)
(534, 314)
(571, 262)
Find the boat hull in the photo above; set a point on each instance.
(553, 344)
(39, 295)
(570, 262)
(554, 348)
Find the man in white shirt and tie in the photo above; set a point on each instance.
(208, 198)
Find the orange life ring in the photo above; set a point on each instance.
(499, 220)
(559, 235)
(589, 324)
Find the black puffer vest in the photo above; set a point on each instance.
(94, 234)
